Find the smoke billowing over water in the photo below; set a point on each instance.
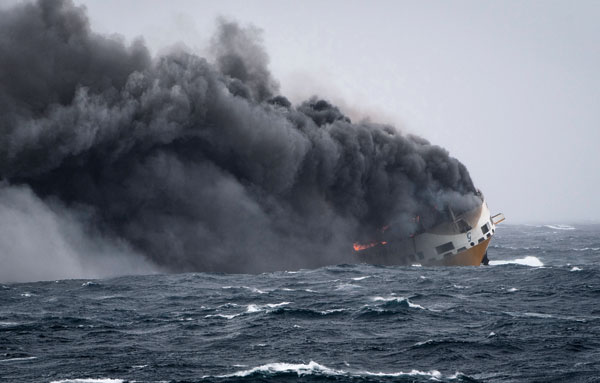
(114, 161)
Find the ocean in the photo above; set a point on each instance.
(532, 315)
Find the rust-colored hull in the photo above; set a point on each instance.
(469, 257)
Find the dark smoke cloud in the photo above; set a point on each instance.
(203, 165)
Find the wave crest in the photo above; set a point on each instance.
(526, 261)
(314, 368)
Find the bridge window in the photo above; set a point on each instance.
(445, 247)
(485, 228)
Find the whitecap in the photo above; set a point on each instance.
(8, 324)
(361, 278)
(461, 287)
(18, 359)
(314, 368)
(346, 286)
(492, 334)
(417, 265)
(419, 344)
(299, 368)
(527, 261)
(26, 295)
(512, 290)
(306, 290)
(434, 374)
(331, 311)
(225, 316)
(253, 308)
(399, 300)
(560, 227)
(575, 268)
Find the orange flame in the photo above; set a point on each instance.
(359, 246)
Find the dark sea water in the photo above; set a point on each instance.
(531, 316)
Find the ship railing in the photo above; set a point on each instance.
(498, 218)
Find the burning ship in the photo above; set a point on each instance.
(460, 241)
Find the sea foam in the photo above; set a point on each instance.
(527, 261)
(314, 368)
(560, 227)
(398, 300)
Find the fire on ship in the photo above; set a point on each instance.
(463, 240)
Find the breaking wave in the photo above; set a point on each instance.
(493, 323)
(314, 368)
(526, 261)
(560, 227)
(401, 301)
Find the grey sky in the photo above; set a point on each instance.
(511, 88)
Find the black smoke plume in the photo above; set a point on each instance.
(201, 164)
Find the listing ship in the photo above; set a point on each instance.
(461, 241)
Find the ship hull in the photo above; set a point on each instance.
(461, 242)
(471, 257)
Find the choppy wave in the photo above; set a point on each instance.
(526, 261)
(560, 227)
(402, 301)
(224, 316)
(307, 313)
(254, 308)
(252, 289)
(402, 324)
(314, 368)
(18, 359)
